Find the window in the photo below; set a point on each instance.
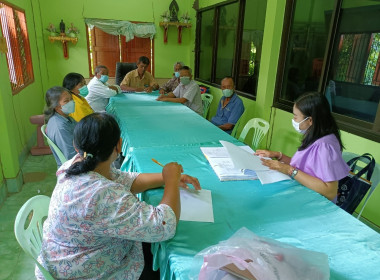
(13, 25)
(107, 49)
(333, 48)
(229, 39)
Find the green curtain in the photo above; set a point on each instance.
(123, 27)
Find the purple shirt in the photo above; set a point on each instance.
(322, 159)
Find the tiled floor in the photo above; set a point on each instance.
(39, 175)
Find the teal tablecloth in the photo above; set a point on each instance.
(284, 211)
(146, 122)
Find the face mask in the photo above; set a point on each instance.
(68, 108)
(176, 74)
(296, 126)
(83, 91)
(103, 78)
(185, 80)
(228, 92)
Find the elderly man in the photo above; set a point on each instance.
(139, 80)
(230, 107)
(187, 92)
(99, 91)
(171, 85)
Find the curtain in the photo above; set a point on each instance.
(123, 27)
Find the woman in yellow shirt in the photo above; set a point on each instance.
(76, 84)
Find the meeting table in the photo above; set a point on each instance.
(285, 211)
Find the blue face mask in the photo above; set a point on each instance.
(103, 78)
(176, 74)
(228, 92)
(68, 108)
(185, 80)
(83, 91)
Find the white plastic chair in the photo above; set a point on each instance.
(59, 153)
(28, 228)
(375, 179)
(260, 127)
(206, 102)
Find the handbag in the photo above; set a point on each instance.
(353, 187)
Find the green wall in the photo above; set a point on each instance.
(15, 110)
(145, 11)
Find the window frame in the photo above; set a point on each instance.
(345, 123)
(237, 47)
(28, 56)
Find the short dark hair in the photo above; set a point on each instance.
(99, 68)
(96, 135)
(316, 106)
(71, 80)
(52, 100)
(186, 68)
(144, 60)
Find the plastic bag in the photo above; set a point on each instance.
(248, 256)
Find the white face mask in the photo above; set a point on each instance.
(296, 126)
(69, 107)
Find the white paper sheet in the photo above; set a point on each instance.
(243, 159)
(196, 206)
(221, 152)
(271, 176)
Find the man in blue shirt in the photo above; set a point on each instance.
(230, 107)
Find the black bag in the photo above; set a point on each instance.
(354, 187)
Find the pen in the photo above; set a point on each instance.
(155, 161)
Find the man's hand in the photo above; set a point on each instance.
(162, 91)
(113, 87)
(148, 89)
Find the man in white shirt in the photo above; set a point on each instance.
(187, 92)
(99, 91)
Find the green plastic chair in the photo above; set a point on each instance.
(206, 101)
(28, 228)
(260, 127)
(59, 153)
(236, 126)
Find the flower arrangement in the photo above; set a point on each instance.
(165, 16)
(185, 17)
(51, 28)
(72, 30)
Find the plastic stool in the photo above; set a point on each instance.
(41, 148)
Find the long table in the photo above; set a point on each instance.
(285, 211)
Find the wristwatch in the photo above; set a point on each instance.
(294, 173)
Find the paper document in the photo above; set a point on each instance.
(248, 162)
(196, 206)
(243, 159)
(223, 166)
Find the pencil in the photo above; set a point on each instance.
(155, 161)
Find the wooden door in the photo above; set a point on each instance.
(132, 50)
(105, 50)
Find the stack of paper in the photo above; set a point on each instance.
(223, 166)
(244, 160)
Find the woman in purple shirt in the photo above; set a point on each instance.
(318, 162)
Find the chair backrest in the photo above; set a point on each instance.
(206, 101)
(122, 68)
(260, 127)
(375, 179)
(28, 227)
(59, 153)
(236, 127)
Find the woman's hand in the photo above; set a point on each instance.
(266, 153)
(186, 179)
(171, 173)
(277, 165)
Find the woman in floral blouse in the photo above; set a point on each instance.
(95, 224)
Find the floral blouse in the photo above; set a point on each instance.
(95, 227)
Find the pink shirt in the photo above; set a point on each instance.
(322, 159)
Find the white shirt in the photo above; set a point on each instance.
(192, 93)
(99, 94)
